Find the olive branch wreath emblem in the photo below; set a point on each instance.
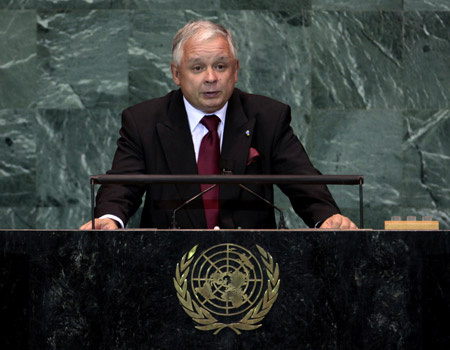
(205, 320)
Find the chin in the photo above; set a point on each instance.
(211, 108)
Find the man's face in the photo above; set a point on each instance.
(207, 73)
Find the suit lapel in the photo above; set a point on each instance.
(237, 135)
(236, 143)
(176, 140)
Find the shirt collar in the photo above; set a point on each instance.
(195, 115)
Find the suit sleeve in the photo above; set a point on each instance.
(313, 203)
(123, 200)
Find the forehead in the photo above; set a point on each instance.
(196, 48)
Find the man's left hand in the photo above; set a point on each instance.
(340, 222)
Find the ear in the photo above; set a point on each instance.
(236, 72)
(175, 74)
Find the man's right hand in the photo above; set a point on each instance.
(101, 224)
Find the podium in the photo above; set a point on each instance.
(124, 289)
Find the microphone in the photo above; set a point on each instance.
(224, 164)
(174, 221)
(227, 167)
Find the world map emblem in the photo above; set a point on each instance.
(230, 287)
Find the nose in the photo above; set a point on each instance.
(211, 76)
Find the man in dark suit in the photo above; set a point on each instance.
(166, 136)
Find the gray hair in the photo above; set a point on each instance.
(203, 30)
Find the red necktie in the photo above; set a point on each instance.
(208, 164)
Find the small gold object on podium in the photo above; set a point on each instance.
(396, 223)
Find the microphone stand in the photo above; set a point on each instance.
(281, 222)
(174, 221)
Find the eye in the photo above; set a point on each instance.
(197, 68)
(221, 66)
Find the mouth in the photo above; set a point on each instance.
(211, 94)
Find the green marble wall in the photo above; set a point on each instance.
(368, 81)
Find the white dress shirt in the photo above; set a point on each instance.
(198, 130)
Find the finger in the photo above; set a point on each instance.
(86, 226)
(344, 224)
(106, 224)
(353, 226)
(347, 224)
(109, 226)
(100, 224)
(338, 221)
(328, 223)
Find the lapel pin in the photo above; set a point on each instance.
(247, 133)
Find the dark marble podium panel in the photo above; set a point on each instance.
(115, 290)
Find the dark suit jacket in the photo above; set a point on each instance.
(155, 139)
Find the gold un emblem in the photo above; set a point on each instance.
(227, 283)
